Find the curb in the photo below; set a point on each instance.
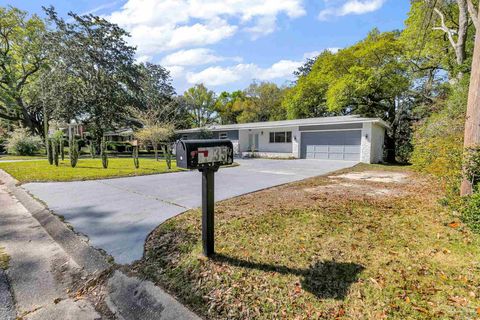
(145, 301)
(7, 306)
(84, 255)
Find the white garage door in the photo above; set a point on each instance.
(333, 145)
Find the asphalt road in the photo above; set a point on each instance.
(118, 214)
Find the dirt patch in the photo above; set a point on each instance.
(353, 188)
(367, 183)
(375, 176)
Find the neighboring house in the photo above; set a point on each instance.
(69, 129)
(337, 138)
(120, 135)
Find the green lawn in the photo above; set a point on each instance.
(86, 169)
(10, 157)
(324, 248)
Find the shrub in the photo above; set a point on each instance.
(81, 143)
(471, 212)
(50, 151)
(438, 141)
(73, 152)
(54, 151)
(22, 143)
(136, 163)
(3, 141)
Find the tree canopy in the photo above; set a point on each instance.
(22, 56)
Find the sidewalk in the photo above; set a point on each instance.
(40, 273)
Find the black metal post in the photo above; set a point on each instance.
(208, 203)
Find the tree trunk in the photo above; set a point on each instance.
(472, 121)
(168, 156)
(45, 131)
(460, 51)
(155, 150)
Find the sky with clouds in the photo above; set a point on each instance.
(226, 44)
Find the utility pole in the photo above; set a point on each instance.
(472, 121)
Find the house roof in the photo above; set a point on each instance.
(289, 123)
(120, 132)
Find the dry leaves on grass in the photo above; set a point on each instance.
(305, 250)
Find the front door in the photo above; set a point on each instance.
(253, 142)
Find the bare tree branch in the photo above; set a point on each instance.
(473, 14)
(444, 27)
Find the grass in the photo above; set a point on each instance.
(4, 259)
(318, 249)
(12, 157)
(86, 169)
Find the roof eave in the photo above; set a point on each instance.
(266, 125)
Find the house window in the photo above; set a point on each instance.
(281, 137)
(223, 135)
(185, 137)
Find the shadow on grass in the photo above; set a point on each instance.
(324, 279)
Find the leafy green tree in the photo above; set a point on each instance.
(92, 57)
(439, 33)
(22, 56)
(200, 104)
(226, 106)
(263, 102)
(307, 98)
(155, 99)
(369, 78)
(305, 68)
(156, 135)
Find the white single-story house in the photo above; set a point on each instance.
(350, 138)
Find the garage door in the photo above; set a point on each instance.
(333, 145)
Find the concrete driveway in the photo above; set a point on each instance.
(118, 214)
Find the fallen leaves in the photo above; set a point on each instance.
(415, 261)
(454, 224)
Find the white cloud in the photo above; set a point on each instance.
(263, 26)
(160, 25)
(151, 40)
(176, 71)
(281, 69)
(143, 59)
(194, 57)
(348, 7)
(313, 54)
(215, 76)
(100, 8)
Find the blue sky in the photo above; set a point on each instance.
(226, 44)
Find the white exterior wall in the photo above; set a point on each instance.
(296, 142)
(378, 140)
(371, 150)
(264, 145)
(366, 143)
(243, 141)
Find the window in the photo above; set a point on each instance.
(223, 135)
(281, 137)
(185, 137)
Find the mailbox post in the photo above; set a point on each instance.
(208, 207)
(206, 156)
